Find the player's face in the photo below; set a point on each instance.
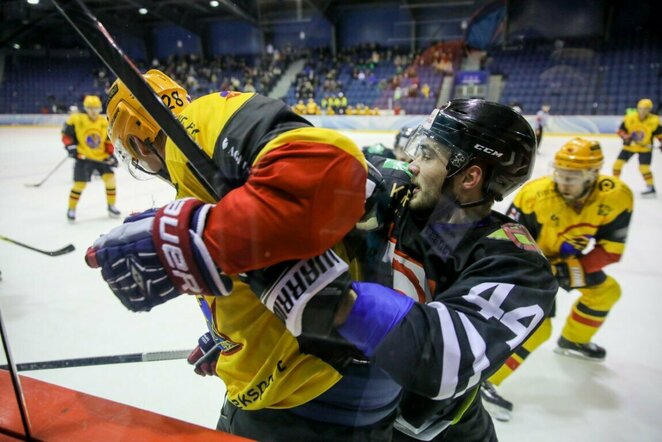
(93, 112)
(643, 112)
(137, 158)
(573, 184)
(429, 170)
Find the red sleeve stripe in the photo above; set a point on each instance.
(597, 259)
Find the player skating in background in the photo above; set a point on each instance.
(397, 152)
(637, 131)
(580, 220)
(85, 137)
(540, 122)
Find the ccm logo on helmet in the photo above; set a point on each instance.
(488, 150)
(171, 250)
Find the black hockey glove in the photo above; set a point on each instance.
(570, 274)
(72, 150)
(111, 161)
(304, 294)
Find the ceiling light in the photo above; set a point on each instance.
(213, 3)
(33, 2)
(142, 11)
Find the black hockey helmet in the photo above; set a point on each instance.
(402, 137)
(475, 129)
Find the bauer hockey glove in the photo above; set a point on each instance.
(158, 255)
(205, 355)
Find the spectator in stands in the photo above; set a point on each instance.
(425, 90)
(312, 108)
(299, 108)
(637, 131)
(343, 103)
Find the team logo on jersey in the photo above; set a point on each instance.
(638, 135)
(93, 140)
(518, 235)
(606, 185)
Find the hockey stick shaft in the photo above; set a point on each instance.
(66, 249)
(16, 382)
(49, 173)
(99, 40)
(103, 360)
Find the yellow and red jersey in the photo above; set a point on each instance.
(288, 191)
(604, 216)
(91, 136)
(640, 132)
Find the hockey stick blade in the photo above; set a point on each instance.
(49, 174)
(101, 43)
(64, 250)
(102, 360)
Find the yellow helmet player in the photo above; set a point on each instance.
(644, 107)
(131, 128)
(576, 168)
(92, 106)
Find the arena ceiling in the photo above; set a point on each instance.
(30, 25)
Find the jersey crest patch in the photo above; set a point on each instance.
(518, 235)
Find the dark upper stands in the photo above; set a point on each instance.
(581, 77)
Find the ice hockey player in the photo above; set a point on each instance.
(580, 220)
(289, 191)
(637, 131)
(400, 141)
(85, 137)
(469, 284)
(540, 122)
(397, 152)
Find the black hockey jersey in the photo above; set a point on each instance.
(481, 288)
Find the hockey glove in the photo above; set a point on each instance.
(111, 161)
(158, 255)
(570, 274)
(305, 294)
(205, 355)
(575, 246)
(72, 150)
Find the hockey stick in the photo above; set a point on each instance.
(49, 174)
(99, 40)
(58, 252)
(103, 360)
(16, 382)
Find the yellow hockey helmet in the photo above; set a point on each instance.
(92, 101)
(127, 117)
(579, 154)
(645, 103)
